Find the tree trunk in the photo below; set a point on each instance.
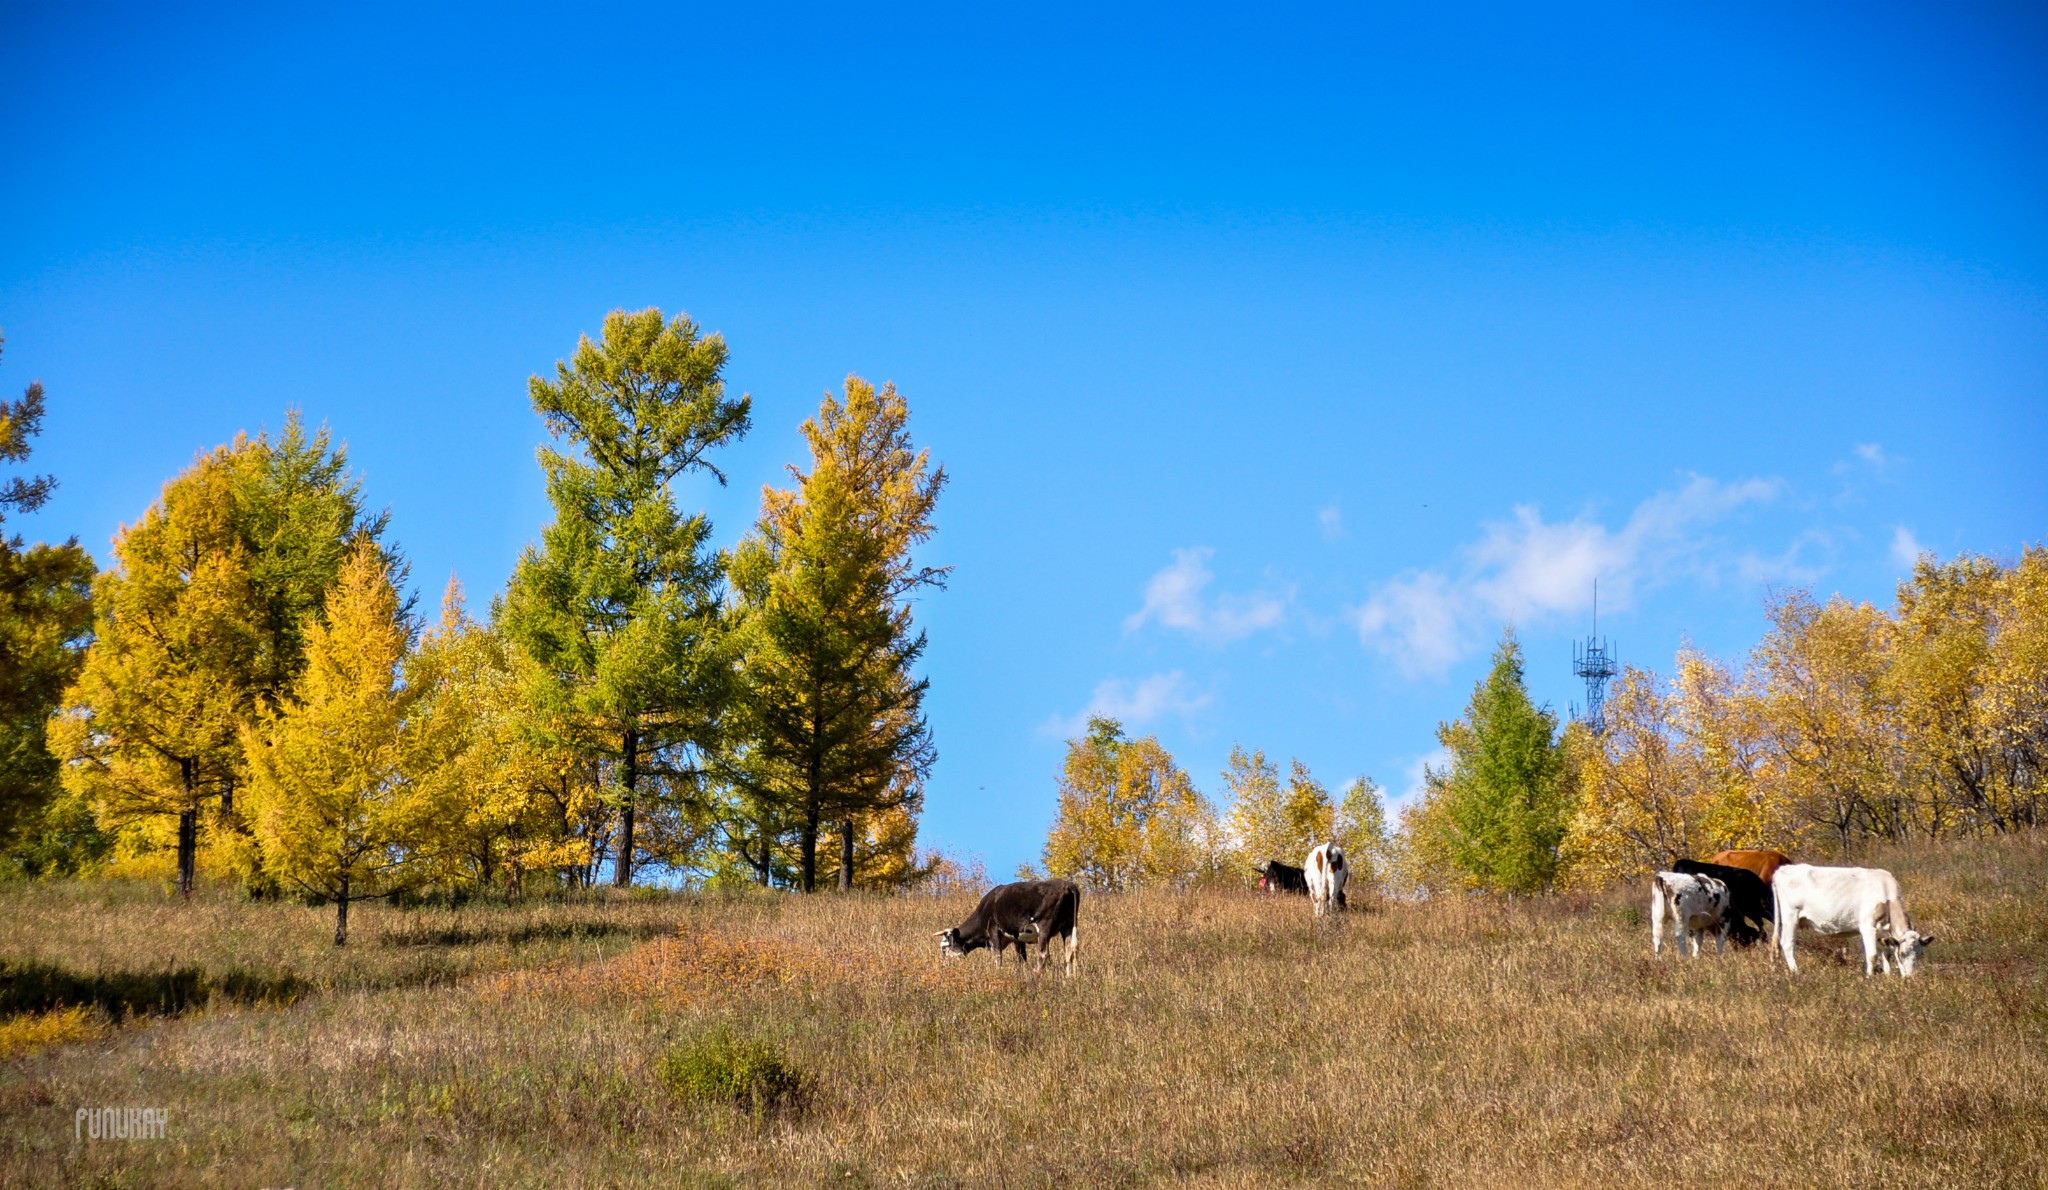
(764, 869)
(341, 915)
(846, 856)
(188, 829)
(808, 878)
(622, 871)
(188, 850)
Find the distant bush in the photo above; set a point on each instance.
(744, 1072)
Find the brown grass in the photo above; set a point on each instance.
(1211, 1039)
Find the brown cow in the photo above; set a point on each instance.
(1764, 863)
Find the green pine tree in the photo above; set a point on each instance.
(1499, 809)
(619, 606)
(45, 622)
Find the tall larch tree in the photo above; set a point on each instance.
(45, 623)
(1499, 811)
(333, 812)
(150, 730)
(830, 706)
(619, 605)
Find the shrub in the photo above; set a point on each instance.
(745, 1072)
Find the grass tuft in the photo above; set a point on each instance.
(720, 1067)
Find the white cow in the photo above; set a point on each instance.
(1694, 904)
(1842, 901)
(1325, 871)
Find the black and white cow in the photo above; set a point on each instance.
(1014, 914)
(1276, 877)
(1695, 905)
(1749, 898)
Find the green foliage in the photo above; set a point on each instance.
(619, 606)
(829, 706)
(725, 1069)
(1361, 830)
(45, 622)
(1498, 813)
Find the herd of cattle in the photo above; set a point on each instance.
(1738, 895)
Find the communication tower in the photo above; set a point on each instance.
(1594, 662)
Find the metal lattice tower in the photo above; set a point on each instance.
(1594, 662)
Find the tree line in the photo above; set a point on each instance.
(245, 691)
(1847, 723)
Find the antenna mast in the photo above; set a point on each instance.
(1594, 662)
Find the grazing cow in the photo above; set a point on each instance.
(1276, 877)
(1749, 898)
(1842, 901)
(1763, 863)
(1014, 914)
(1694, 904)
(1326, 875)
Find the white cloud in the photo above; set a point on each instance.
(1133, 704)
(1415, 781)
(1175, 598)
(1527, 569)
(1906, 548)
(1331, 519)
(1873, 454)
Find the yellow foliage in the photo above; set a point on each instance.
(1129, 816)
(29, 1032)
(329, 799)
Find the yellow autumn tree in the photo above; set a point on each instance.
(2012, 700)
(1640, 804)
(1826, 716)
(483, 773)
(1128, 815)
(333, 812)
(149, 733)
(1270, 821)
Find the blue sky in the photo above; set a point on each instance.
(1279, 355)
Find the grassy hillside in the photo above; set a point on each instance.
(1211, 1039)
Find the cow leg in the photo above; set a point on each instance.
(1656, 918)
(1073, 947)
(1786, 936)
(1869, 932)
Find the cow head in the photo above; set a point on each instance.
(949, 943)
(1907, 947)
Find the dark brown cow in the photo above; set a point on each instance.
(1749, 898)
(1014, 914)
(1277, 877)
(1764, 863)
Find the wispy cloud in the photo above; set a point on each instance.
(1331, 520)
(1906, 548)
(1415, 780)
(1528, 569)
(1132, 703)
(1176, 598)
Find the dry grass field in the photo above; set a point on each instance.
(1211, 1039)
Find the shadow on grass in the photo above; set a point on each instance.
(521, 935)
(40, 987)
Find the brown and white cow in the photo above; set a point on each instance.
(1014, 914)
(1326, 873)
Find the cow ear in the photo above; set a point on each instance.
(1926, 939)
